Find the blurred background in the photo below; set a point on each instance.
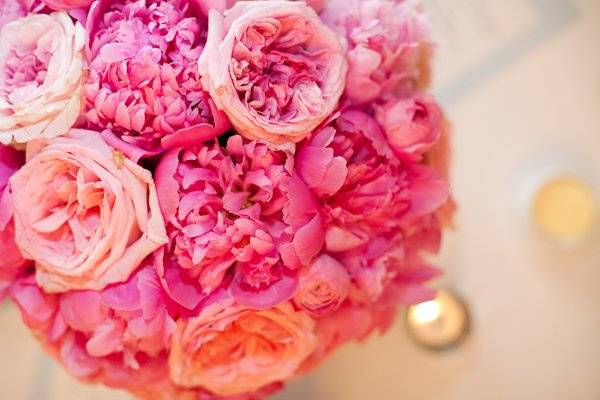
(520, 79)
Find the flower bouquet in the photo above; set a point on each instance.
(200, 199)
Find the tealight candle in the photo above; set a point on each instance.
(439, 323)
(565, 209)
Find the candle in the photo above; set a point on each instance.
(440, 323)
(565, 209)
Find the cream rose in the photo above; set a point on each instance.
(41, 76)
(230, 350)
(85, 214)
(274, 68)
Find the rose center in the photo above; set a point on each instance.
(25, 70)
(277, 70)
(250, 337)
(70, 210)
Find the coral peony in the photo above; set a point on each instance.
(11, 259)
(41, 74)
(386, 40)
(274, 68)
(231, 350)
(85, 214)
(370, 198)
(143, 84)
(118, 336)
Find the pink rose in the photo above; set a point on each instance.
(323, 287)
(274, 68)
(230, 350)
(11, 259)
(385, 41)
(412, 126)
(41, 69)
(85, 214)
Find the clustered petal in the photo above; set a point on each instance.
(144, 86)
(224, 214)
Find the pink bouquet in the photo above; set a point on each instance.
(200, 199)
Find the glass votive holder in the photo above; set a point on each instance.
(438, 324)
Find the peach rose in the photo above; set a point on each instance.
(412, 125)
(41, 76)
(323, 287)
(85, 214)
(229, 350)
(274, 68)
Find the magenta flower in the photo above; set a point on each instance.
(385, 40)
(370, 199)
(144, 87)
(224, 208)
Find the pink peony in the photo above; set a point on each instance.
(41, 73)
(323, 287)
(370, 199)
(143, 85)
(385, 41)
(85, 214)
(118, 336)
(11, 259)
(273, 68)
(412, 125)
(230, 350)
(224, 212)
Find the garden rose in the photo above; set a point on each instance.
(385, 41)
(412, 125)
(323, 286)
(85, 214)
(41, 74)
(229, 350)
(304, 59)
(144, 86)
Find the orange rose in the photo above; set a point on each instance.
(229, 350)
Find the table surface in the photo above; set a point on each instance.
(520, 80)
